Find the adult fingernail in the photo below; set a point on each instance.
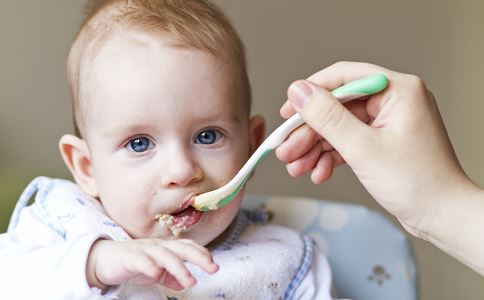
(298, 93)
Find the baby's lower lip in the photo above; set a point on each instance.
(187, 217)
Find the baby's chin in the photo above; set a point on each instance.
(207, 239)
(215, 237)
(151, 231)
(206, 232)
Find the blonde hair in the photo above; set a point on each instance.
(185, 23)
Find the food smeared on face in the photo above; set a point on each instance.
(181, 221)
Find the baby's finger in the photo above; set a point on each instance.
(192, 243)
(172, 263)
(191, 251)
(170, 281)
(203, 259)
(144, 265)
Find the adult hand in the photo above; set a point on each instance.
(396, 144)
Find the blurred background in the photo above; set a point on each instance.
(442, 41)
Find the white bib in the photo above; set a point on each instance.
(257, 260)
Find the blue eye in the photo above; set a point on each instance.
(208, 137)
(140, 144)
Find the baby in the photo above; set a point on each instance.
(161, 103)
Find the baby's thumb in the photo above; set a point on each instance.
(327, 116)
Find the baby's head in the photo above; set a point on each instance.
(161, 104)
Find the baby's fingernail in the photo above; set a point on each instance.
(298, 93)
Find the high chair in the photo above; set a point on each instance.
(370, 257)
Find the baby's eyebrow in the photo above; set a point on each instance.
(230, 118)
(129, 128)
(134, 128)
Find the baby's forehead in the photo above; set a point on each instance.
(108, 59)
(129, 54)
(120, 44)
(120, 63)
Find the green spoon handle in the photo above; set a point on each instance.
(364, 86)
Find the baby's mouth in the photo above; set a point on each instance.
(181, 220)
(187, 217)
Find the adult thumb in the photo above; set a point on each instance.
(328, 117)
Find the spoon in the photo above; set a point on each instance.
(215, 199)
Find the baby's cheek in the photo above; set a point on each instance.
(236, 165)
(221, 218)
(221, 171)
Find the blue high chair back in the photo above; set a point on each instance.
(370, 257)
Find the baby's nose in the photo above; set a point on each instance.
(180, 170)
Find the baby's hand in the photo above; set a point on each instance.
(147, 261)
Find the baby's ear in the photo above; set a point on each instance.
(257, 129)
(77, 157)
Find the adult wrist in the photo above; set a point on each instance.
(455, 226)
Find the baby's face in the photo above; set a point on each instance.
(164, 124)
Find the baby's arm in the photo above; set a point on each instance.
(51, 270)
(146, 261)
(37, 263)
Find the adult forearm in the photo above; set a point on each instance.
(457, 225)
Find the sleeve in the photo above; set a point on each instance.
(38, 264)
(317, 282)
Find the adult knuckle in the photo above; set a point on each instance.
(340, 64)
(416, 83)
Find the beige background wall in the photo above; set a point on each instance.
(441, 41)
